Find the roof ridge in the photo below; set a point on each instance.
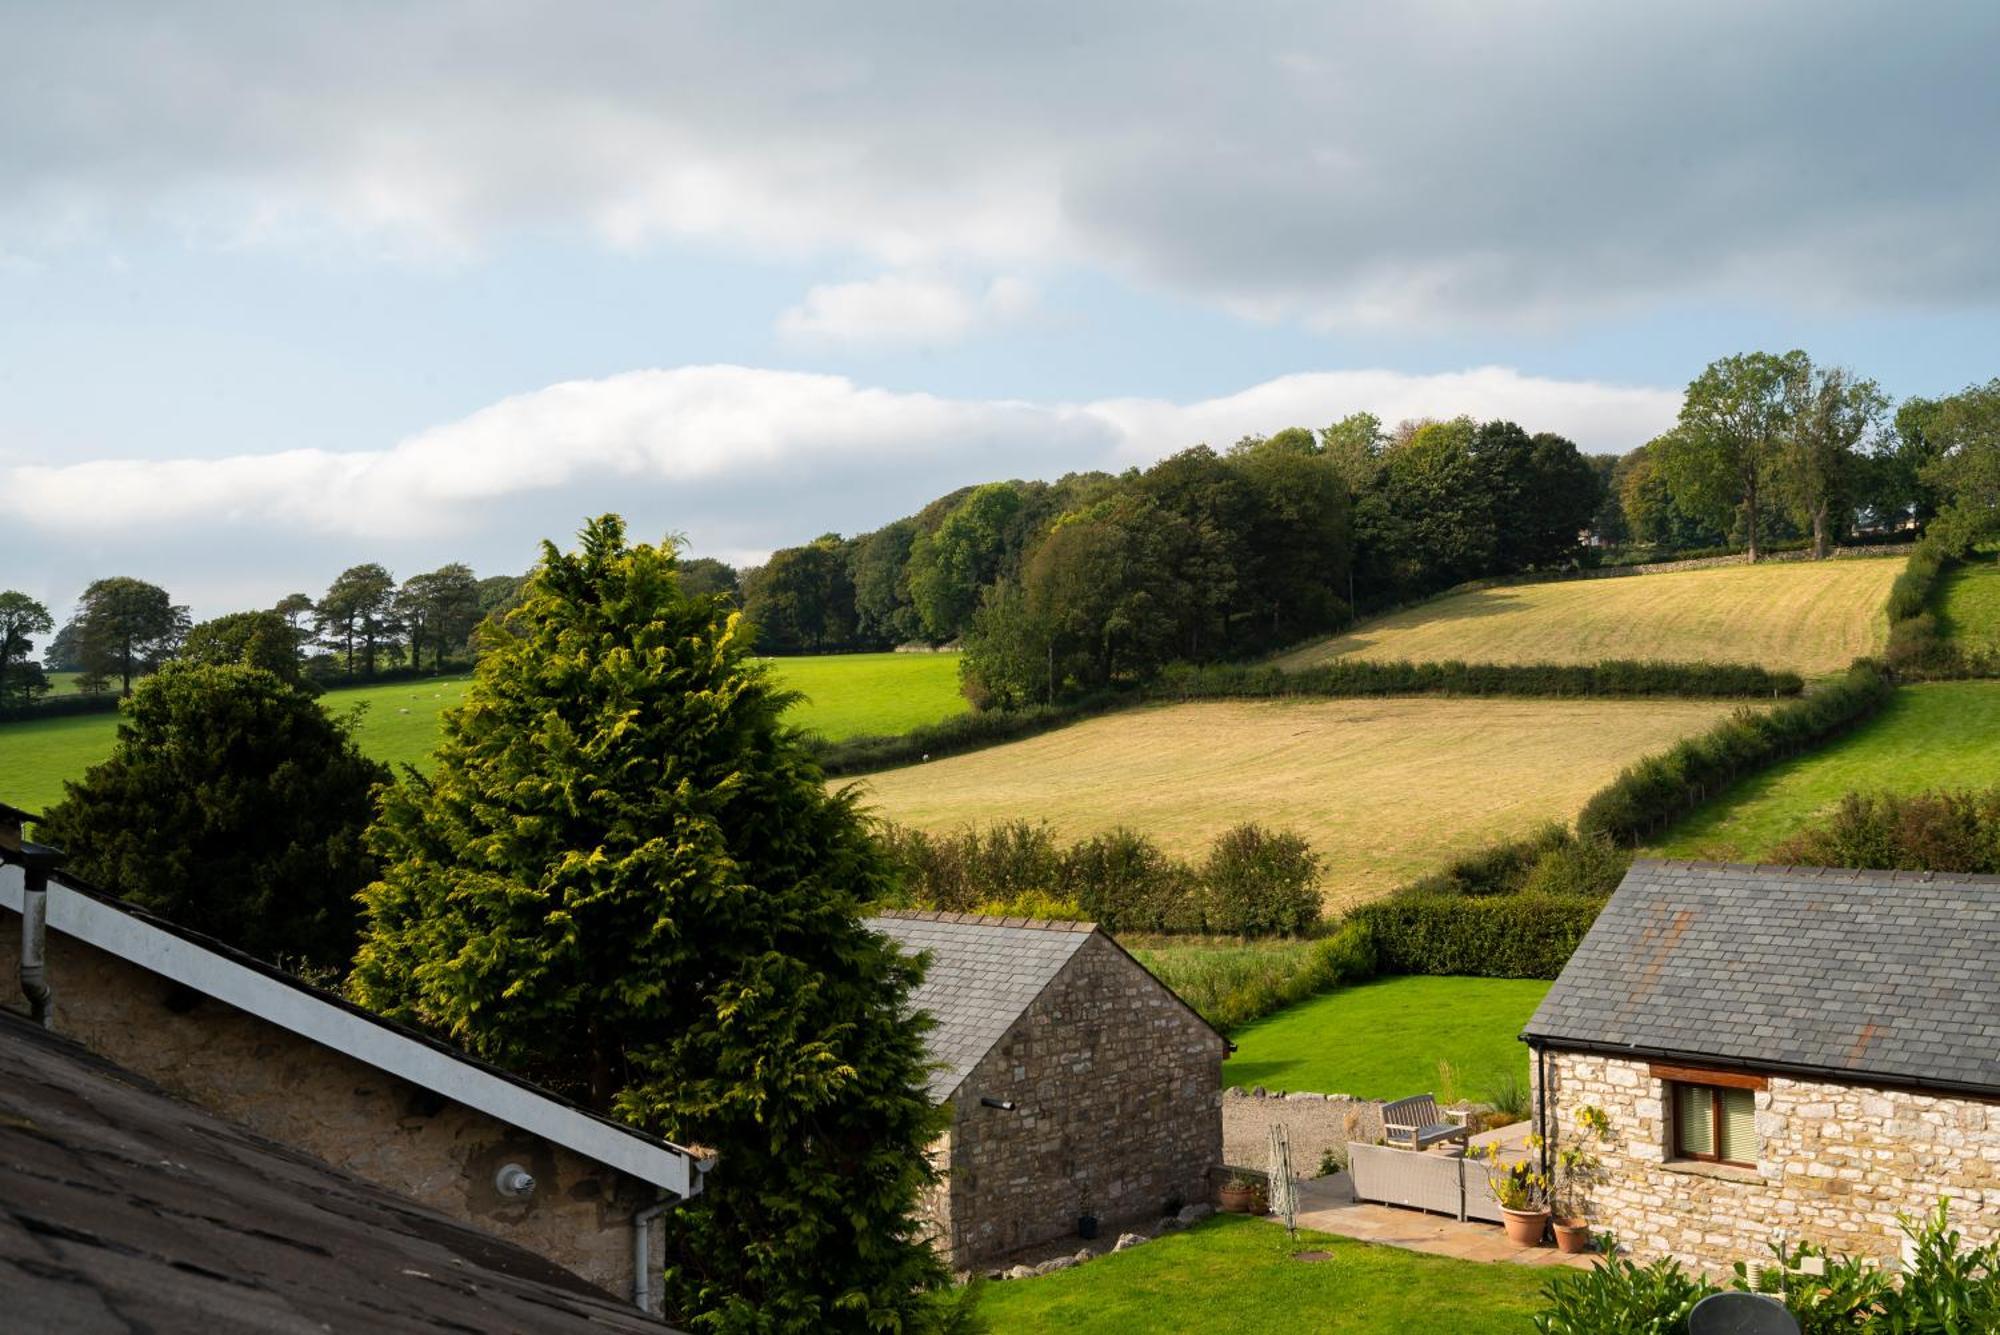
(984, 920)
(1888, 874)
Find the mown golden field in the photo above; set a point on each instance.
(1811, 617)
(1385, 789)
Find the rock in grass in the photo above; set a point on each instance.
(1050, 1266)
(1194, 1214)
(1021, 1272)
(1127, 1241)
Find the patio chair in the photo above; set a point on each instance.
(1417, 1124)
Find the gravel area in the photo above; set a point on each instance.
(1313, 1125)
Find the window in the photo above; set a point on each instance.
(1715, 1123)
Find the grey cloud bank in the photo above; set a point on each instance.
(1340, 164)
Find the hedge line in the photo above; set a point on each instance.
(1521, 935)
(1916, 649)
(1348, 677)
(62, 706)
(1661, 788)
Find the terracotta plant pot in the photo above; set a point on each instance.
(1243, 1200)
(1573, 1236)
(1524, 1227)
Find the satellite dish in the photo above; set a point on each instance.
(1741, 1314)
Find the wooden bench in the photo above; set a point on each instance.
(1417, 1124)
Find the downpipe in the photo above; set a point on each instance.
(34, 940)
(643, 1296)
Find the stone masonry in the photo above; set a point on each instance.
(339, 1110)
(1116, 1087)
(1837, 1164)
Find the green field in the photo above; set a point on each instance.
(846, 695)
(1969, 606)
(1936, 735)
(1384, 1039)
(1812, 617)
(1385, 789)
(1233, 1273)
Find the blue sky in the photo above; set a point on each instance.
(287, 288)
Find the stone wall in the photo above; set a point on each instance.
(1837, 1163)
(1117, 1092)
(350, 1115)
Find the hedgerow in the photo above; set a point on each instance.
(1254, 882)
(1660, 788)
(1520, 935)
(1350, 677)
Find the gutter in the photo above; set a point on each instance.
(36, 862)
(1832, 1075)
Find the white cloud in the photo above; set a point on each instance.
(744, 458)
(904, 308)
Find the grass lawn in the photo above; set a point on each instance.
(1935, 735)
(1384, 1039)
(1384, 789)
(1236, 1274)
(1969, 606)
(863, 695)
(1811, 617)
(847, 695)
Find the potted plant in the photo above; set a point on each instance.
(1522, 1191)
(1577, 1168)
(1244, 1193)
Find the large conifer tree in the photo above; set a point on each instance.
(625, 877)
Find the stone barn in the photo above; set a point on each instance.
(1079, 1083)
(1806, 1050)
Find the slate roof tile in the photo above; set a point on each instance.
(1890, 975)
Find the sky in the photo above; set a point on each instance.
(288, 288)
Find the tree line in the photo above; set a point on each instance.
(124, 628)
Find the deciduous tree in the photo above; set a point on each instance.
(1831, 415)
(1733, 425)
(125, 627)
(357, 610)
(21, 619)
(1966, 472)
(254, 639)
(627, 878)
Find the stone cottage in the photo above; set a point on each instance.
(304, 1068)
(1802, 1050)
(1079, 1083)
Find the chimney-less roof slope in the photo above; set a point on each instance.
(1885, 976)
(122, 1207)
(984, 974)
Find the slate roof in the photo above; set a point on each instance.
(123, 1209)
(1885, 976)
(985, 972)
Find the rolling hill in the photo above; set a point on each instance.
(1810, 617)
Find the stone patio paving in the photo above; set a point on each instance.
(1327, 1204)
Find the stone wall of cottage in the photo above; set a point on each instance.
(1117, 1094)
(298, 1093)
(1836, 1165)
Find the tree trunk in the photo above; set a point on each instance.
(1820, 544)
(1750, 500)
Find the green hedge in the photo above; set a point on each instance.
(1661, 788)
(1254, 882)
(1497, 936)
(1349, 677)
(1230, 988)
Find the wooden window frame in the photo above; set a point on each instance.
(1715, 1122)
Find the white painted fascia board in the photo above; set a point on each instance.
(290, 1008)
